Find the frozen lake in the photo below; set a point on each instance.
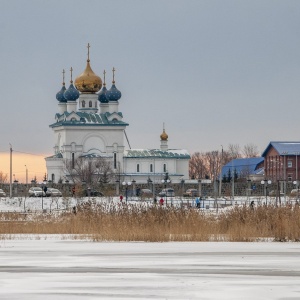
(51, 268)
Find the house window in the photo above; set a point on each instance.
(83, 103)
(151, 168)
(165, 168)
(289, 177)
(290, 164)
(90, 104)
(138, 168)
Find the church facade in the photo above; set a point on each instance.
(89, 125)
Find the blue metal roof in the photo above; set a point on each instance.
(247, 166)
(284, 148)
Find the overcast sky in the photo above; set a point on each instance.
(216, 72)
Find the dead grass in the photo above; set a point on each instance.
(103, 222)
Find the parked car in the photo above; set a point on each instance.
(273, 193)
(93, 193)
(146, 193)
(51, 192)
(2, 193)
(191, 193)
(295, 192)
(36, 192)
(167, 193)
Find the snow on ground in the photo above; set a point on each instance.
(55, 267)
(20, 204)
(49, 268)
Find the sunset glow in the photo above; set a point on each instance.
(35, 165)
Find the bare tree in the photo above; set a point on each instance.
(250, 150)
(3, 177)
(234, 151)
(197, 166)
(91, 170)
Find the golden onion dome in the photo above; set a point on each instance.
(88, 81)
(164, 136)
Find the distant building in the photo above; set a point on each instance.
(282, 161)
(90, 125)
(246, 168)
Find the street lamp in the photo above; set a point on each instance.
(165, 181)
(296, 183)
(126, 185)
(265, 182)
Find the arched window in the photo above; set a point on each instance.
(96, 104)
(165, 168)
(73, 160)
(90, 104)
(83, 103)
(115, 160)
(138, 168)
(151, 168)
(52, 177)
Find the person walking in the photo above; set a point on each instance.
(161, 201)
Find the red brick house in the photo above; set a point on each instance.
(282, 161)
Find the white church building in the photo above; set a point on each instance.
(89, 124)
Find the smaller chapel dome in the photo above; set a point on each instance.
(113, 94)
(164, 136)
(71, 94)
(102, 95)
(60, 95)
(88, 82)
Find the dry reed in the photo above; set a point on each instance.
(109, 222)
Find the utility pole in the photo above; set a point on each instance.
(220, 179)
(10, 170)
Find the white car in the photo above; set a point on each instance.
(167, 193)
(36, 192)
(2, 193)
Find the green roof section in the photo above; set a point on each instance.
(87, 119)
(157, 153)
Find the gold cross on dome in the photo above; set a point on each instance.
(63, 76)
(104, 72)
(88, 46)
(113, 70)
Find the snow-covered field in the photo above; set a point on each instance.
(50, 268)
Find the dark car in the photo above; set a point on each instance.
(92, 193)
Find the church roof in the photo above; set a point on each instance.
(88, 119)
(147, 153)
(57, 155)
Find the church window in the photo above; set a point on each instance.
(73, 160)
(138, 168)
(165, 168)
(151, 168)
(52, 177)
(83, 103)
(96, 104)
(90, 104)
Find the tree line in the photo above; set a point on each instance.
(208, 164)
